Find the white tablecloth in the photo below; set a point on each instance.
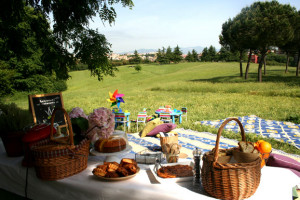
(276, 183)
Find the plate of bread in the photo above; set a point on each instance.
(113, 171)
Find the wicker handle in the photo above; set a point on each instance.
(71, 140)
(216, 153)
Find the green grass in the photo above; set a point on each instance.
(210, 91)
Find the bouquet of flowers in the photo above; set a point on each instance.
(101, 123)
(79, 122)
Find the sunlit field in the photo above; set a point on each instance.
(210, 91)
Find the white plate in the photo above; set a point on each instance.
(172, 180)
(97, 153)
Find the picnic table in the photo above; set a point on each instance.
(173, 112)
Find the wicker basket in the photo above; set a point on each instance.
(59, 158)
(230, 181)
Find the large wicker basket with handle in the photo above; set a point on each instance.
(59, 158)
(230, 181)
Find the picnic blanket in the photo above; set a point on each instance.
(189, 140)
(283, 131)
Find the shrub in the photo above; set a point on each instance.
(294, 118)
(60, 85)
(41, 83)
(125, 62)
(278, 59)
(138, 68)
(12, 118)
(6, 79)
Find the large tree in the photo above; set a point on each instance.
(20, 33)
(292, 48)
(234, 35)
(272, 25)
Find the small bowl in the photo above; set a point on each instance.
(242, 157)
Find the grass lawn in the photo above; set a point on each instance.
(210, 91)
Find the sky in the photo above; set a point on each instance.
(153, 24)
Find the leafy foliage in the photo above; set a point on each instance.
(192, 57)
(259, 27)
(167, 56)
(209, 54)
(28, 47)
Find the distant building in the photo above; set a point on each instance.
(254, 58)
(151, 56)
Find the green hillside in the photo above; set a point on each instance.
(210, 91)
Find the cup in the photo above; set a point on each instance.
(172, 158)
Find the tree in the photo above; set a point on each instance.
(212, 53)
(169, 55)
(233, 37)
(194, 55)
(293, 47)
(189, 57)
(205, 55)
(159, 56)
(26, 49)
(272, 25)
(136, 59)
(224, 54)
(177, 54)
(70, 31)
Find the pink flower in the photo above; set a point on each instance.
(104, 120)
(77, 112)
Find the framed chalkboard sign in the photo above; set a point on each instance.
(42, 106)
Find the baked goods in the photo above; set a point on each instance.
(110, 145)
(126, 167)
(245, 153)
(172, 151)
(175, 171)
(246, 147)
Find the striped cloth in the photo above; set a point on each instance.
(283, 131)
(189, 140)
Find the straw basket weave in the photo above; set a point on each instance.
(230, 181)
(59, 158)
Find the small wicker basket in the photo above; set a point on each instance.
(57, 159)
(230, 181)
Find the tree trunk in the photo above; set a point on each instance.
(261, 62)
(241, 64)
(265, 65)
(298, 66)
(287, 62)
(248, 64)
